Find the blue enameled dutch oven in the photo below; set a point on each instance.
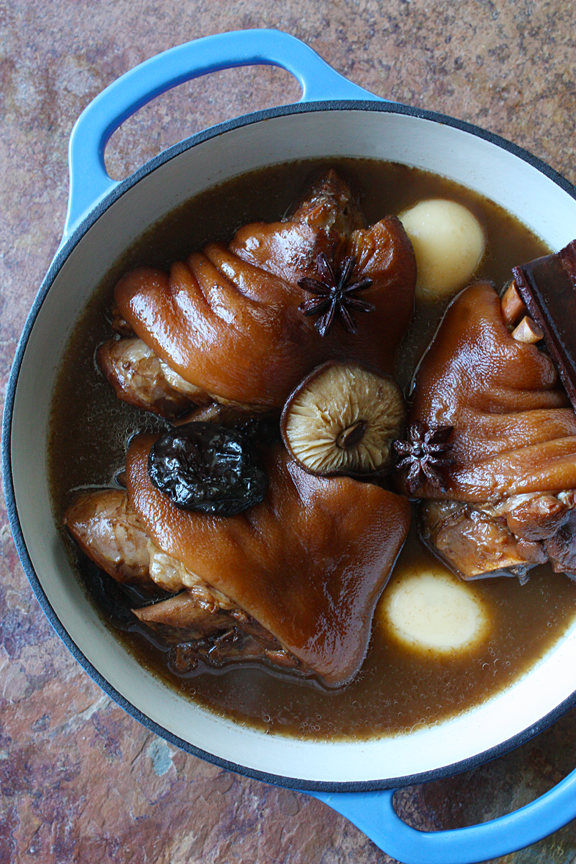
(334, 118)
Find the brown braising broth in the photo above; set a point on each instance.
(397, 688)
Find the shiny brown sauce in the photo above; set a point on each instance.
(397, 688)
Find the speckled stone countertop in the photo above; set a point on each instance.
(80, 780)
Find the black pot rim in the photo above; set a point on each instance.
(61, 256)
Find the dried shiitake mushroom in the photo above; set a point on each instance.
(342, 419)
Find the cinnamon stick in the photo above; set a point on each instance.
(548, 288)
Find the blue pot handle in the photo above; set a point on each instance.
(89, 180)
(374, 814)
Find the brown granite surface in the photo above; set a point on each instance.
(80, 780)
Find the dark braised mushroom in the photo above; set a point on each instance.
(208, 468)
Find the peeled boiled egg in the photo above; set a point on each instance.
(432, 610)
(448, 242)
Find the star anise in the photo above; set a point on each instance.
(334, 294)
(424, 454)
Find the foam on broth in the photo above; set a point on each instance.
(399, 686)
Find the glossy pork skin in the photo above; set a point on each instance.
(140, 378)
(108, 530)
(227, 318)
(308, 563)
(514, 431)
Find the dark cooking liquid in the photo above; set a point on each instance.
(397, 688)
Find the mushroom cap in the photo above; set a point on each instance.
(342, 419)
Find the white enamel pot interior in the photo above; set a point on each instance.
(525, 187)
